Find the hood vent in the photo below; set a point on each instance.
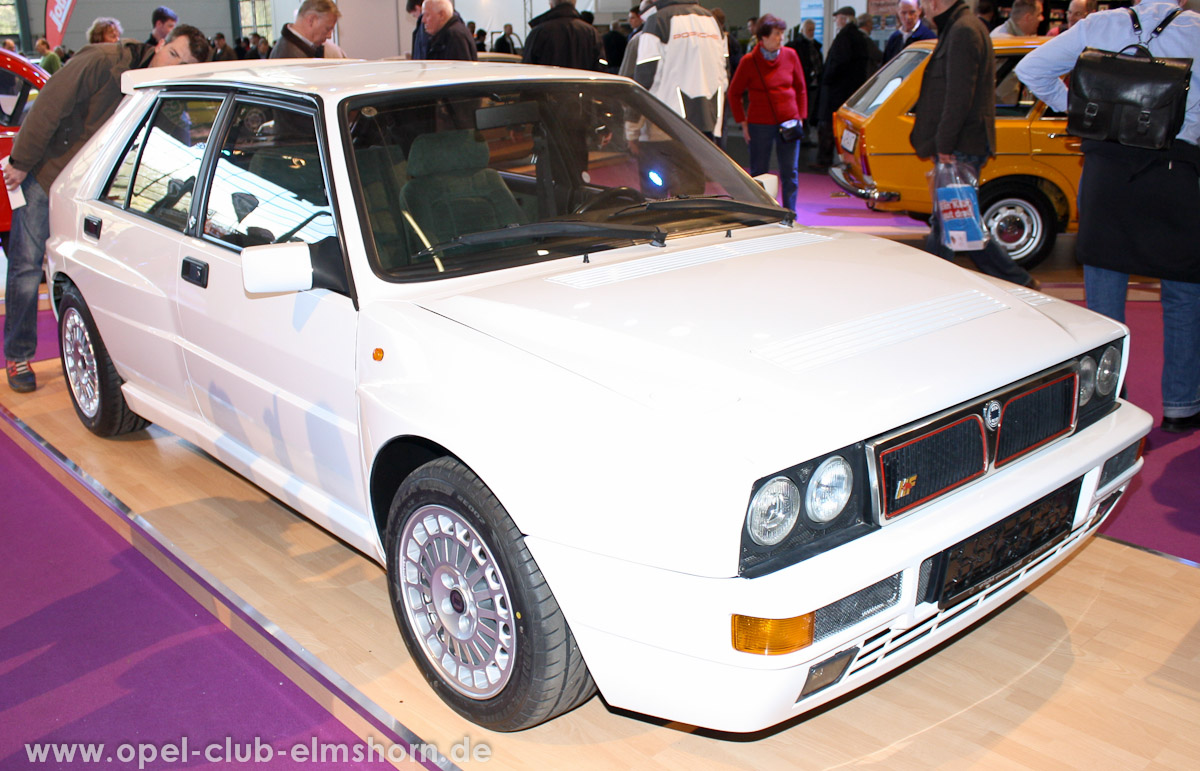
(853, 338)
(663, 263)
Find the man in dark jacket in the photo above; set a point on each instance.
(808, 48)
(449, 37)
(70, 108)
(614, 42)
(845, 70)
(956, 116)
(506, 43)
(911, 29)
(308, 36)
(562, 38)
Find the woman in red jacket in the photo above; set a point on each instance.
(772, 76)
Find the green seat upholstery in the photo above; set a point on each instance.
(451, 191)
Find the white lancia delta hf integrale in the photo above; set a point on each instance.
(610, 418)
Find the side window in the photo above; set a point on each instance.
(117, 192)
(16, 93)
(269, 186)
(167, 155)
(1013, 99)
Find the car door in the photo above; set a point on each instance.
(273, 372)
(133, 233)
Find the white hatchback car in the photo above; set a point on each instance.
(608, 416)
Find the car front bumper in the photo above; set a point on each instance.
(659, 642)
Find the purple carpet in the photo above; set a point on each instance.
(98, 645)
(1162, 508)
(47, 331)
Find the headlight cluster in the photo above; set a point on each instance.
(1099, 376)
(805, 509)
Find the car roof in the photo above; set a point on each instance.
(334, 79)
(998, 43)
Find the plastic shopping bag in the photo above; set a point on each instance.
(957, 203)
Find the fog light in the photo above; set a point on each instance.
(772, 636)
(827, 673)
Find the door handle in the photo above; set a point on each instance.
(91, 225)
(195, 272)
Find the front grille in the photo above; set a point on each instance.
(1036, 417)
(919, 463)
(932, 464)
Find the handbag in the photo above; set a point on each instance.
(1137, 99)
(789, 131)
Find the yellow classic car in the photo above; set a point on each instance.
(1027, 192)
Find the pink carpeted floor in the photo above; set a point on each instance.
(1162, 508)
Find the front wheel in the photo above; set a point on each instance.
(1021, 219)
(475, 612)
(92, 379)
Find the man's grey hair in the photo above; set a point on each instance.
(321, 7)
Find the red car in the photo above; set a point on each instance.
(20, 79)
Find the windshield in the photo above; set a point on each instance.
(523, 164)
(879, 87)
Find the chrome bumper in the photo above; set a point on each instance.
(838, 174)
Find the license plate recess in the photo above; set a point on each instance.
(977, 563)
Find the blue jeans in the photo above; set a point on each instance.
(763, 137)
(1105, 290)
(26, 250)
(991, 259)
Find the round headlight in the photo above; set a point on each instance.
(829, 490)
(1087, 380)
(773, 511)
(1109, 371)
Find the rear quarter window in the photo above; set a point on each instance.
(883, 83)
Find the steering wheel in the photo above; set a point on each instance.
(608, 196)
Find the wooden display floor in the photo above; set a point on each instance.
(1097, 667)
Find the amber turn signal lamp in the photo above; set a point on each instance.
(772, 636)
(377, 355)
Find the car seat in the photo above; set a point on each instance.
(451, 192)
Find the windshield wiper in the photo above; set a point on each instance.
(716, 202)
(654, 234)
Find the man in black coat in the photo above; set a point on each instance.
(560, 37)
(845, 70)
(449, 37)
(911, 29)
(955, 119)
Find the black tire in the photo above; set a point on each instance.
(456, 560)
(92, 380)
(1021, 219)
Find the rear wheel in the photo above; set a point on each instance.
(92, 380)
(1021, 219)
(475, 612)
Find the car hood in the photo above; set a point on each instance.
(774, 329)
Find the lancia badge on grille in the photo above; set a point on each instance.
(991, 414)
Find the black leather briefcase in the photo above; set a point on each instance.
(1136, 99)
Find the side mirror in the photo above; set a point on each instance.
(286, 267)
(770, 183)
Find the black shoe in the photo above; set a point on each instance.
(1181, 425)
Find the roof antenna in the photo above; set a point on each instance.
(586, 259)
